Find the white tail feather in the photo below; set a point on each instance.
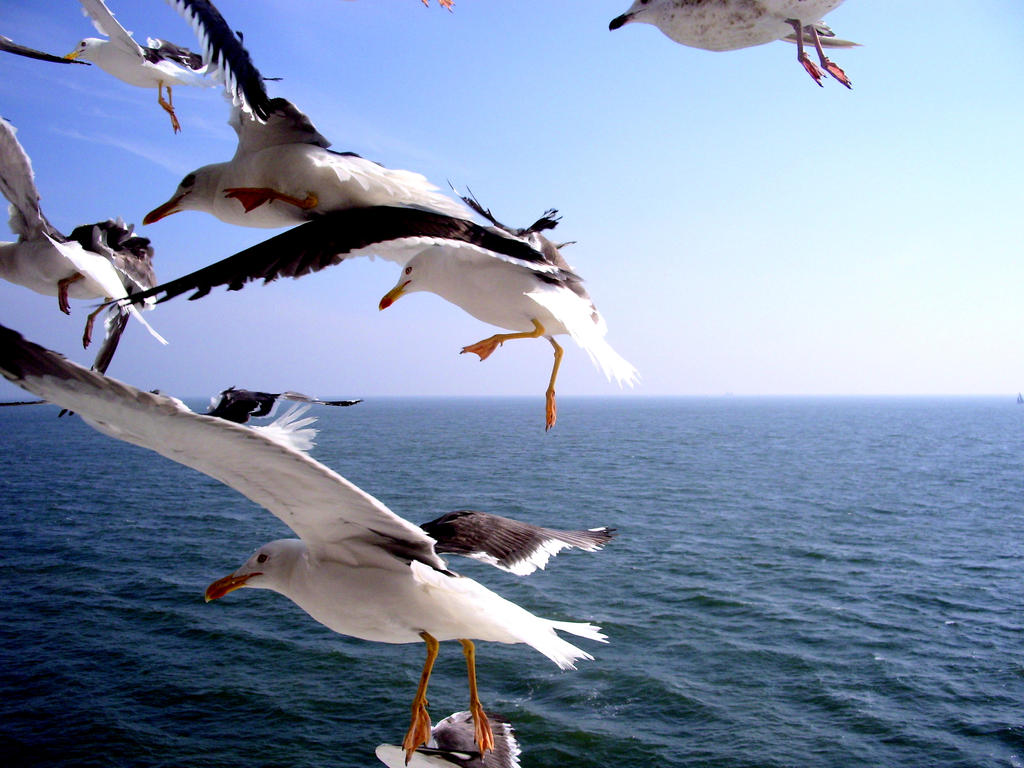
(292, 431)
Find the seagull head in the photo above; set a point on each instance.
(193, 193)
(635, 13)
(269, 567)
(86, 49)
(416, 276)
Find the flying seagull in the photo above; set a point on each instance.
(357, 567)
(105, 260)
(515, 279)
(283, 172)
(239, 405)
(159, 64)
(452, 745)
(8, 45)
(725, 25)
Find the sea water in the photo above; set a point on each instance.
(795, 582)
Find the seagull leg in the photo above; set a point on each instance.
(87, 333)
(487, 346)
(419, 728)
(62, 291)
(168, 105)
(801, 55)
(481, 726)
(550, 409)
(830, 66)
(254, 197)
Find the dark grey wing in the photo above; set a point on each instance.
(6, 44)
(455, 734)
(114, 325)
(223, 49)
(131, 254)
(301, 398)
(238, 405)
(162, 50)
(333, 237)
(507, 544)
(552, 255)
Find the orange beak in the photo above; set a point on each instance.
(229, 583)
(393, 295)
(171, 206)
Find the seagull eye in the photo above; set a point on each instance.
(263, 557)
(189, 180)
(408, 270)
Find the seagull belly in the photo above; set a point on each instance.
(495, 292)
(39, 266)
(739, 23)
(392, 605)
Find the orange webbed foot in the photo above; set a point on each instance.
(483, 348)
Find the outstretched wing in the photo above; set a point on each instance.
(106, 24)
(391, 232)
(223, 49)
(510, 545)
(326, 510)
(6, 44)
(18, 185)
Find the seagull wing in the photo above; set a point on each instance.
(393, 233)
(18, 184)
(113, 326)
(327, 511)
(223, 49)
(285, 124)
(6, 44)
(510, 545)
(106, 24)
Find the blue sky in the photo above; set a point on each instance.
(742, 230)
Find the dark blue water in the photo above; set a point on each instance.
(813, 582)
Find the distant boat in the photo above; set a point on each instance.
(1020, 399)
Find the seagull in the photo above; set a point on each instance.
(6, 44)
(538, 299)
(101, 260)
(452, 745)
(357, 567)
(283, 174)
(159, 64)
(726, 25)
(238, 405)
(515, 279)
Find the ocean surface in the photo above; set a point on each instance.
(795, 582)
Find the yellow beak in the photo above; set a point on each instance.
(74, 54)
(393, 295)
(229, 583)
(171, 206)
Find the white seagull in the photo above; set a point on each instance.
(515, 279)
(357, 567)
(283, 174)
(725, 25)
(452, 745)
(159, 64)
(98, 261)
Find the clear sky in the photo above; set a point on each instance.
(742, 230)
